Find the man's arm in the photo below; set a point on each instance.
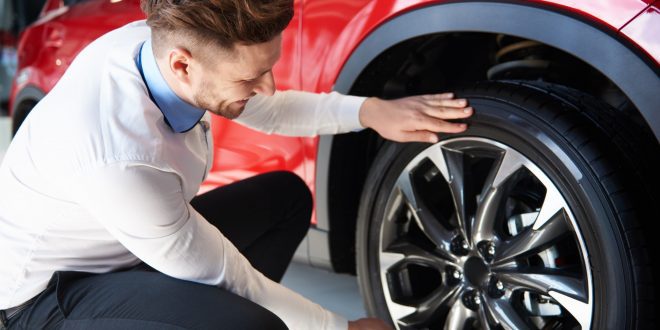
(144, 209)
(415, 118)
(297, 113)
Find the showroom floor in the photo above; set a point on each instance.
(338, 293)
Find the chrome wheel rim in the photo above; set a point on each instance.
(477, 236)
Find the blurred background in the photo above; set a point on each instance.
(15, 15)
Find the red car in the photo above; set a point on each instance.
(538, 216)
(15, 15)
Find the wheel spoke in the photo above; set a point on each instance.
(490, 203)
(483, 227)
(456, 181)
(437, 157)
(389, 259)
(399, 291)
(398, 311)
(502, 311)
(404, 183)
(581, 311)
(531, 240)
(458, 316)
(412, 253)
(510, 162)
(426, 221)
(545, 283)
(484, 319)
(432, 228)
(553, 203)
(432, 305)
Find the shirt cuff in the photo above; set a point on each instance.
(350, 114)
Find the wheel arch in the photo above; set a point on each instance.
(611, 54)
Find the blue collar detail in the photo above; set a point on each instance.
(180, 115)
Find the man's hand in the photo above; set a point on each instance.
(368, 324)
(415, 118)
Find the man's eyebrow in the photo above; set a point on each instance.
(259, 75)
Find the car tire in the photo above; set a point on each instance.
(532, 218)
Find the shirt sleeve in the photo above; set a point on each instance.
(144, 209)
(297, 113)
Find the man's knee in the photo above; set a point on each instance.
(302, 197)
(296, 191)
(295, 185)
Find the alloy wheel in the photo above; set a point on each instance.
(476, 236)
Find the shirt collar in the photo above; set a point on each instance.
(180, 115)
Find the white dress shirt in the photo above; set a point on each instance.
(96, 180)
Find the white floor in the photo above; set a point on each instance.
(338, 293)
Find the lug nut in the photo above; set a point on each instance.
(491, 249)
(495, 288)
(460, 246)
(487, 250)
(471, 299)
(454, 276)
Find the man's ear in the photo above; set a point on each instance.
(179, 63)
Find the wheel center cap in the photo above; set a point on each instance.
(476, 271)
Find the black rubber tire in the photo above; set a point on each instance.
(612, 194)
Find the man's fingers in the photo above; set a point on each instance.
(448, 103)
(437, 97)
(418, 136)
(449, 113)
(435, 120)
(430, 136)
(439, 125)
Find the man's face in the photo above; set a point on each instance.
(224, 84)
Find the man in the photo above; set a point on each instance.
(99, 223)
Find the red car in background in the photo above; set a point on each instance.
(537, 217)
(15, 15)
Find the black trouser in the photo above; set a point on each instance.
(265, 217)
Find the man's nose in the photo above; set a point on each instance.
(266, 85)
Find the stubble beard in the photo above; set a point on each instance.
(203, 102)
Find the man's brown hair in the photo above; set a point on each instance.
(220, 22)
